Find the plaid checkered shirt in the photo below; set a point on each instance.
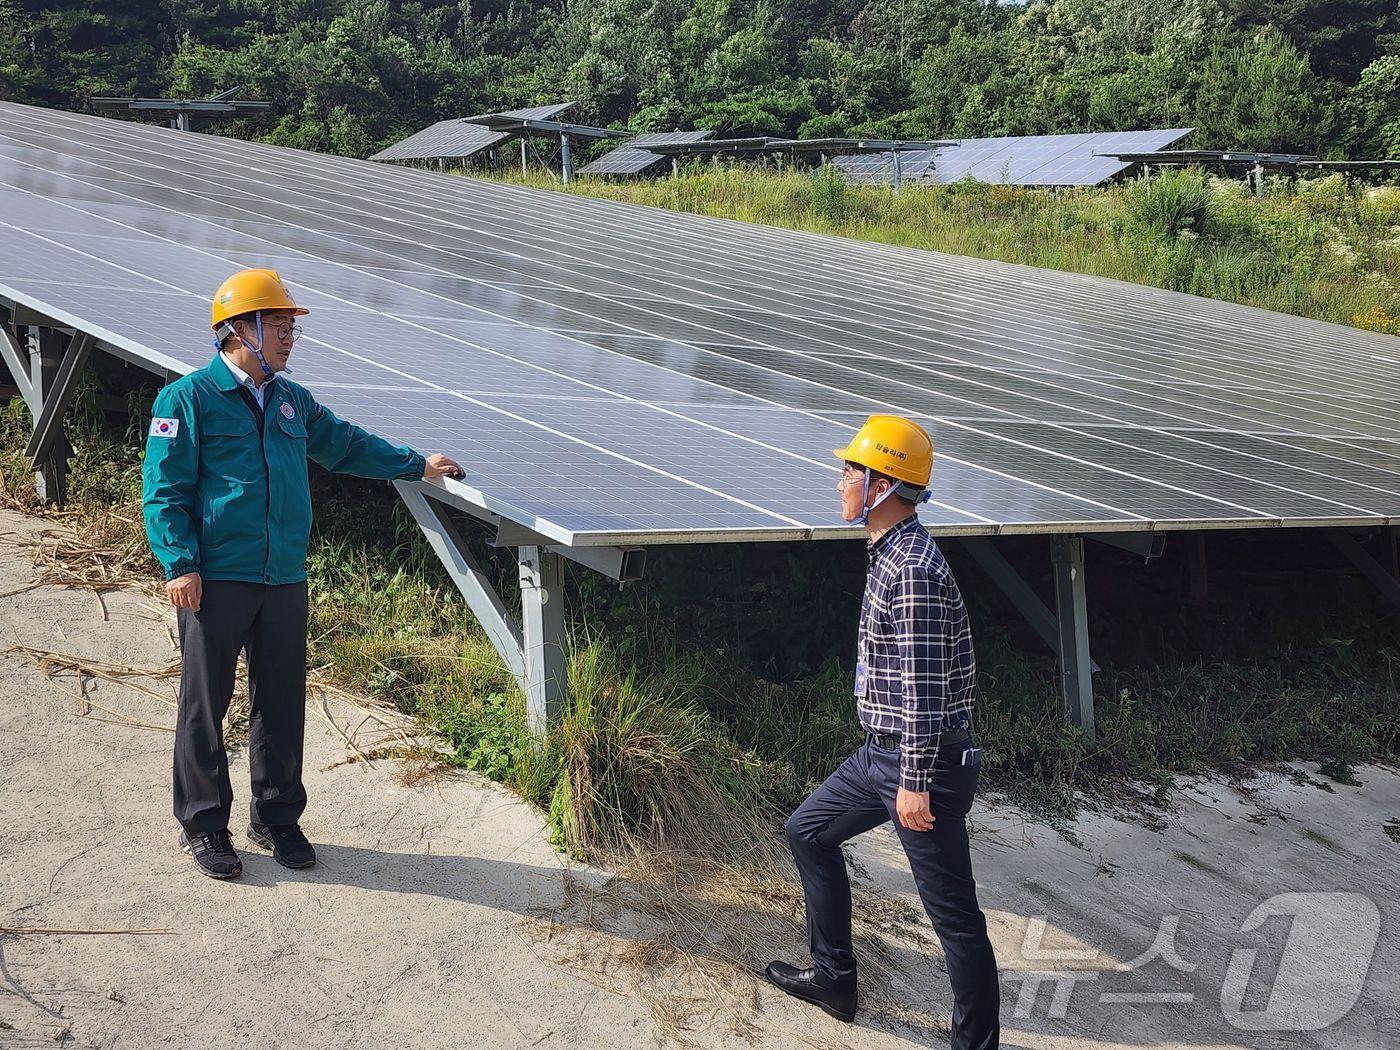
(915, 642)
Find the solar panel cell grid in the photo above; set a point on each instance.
(633, 159)
(1027, 160)
(613, 373)
(458, 139)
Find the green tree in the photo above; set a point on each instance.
(1260, 94)
(1370, 111)
(958, 84)
(1339, 37)
(65, 52)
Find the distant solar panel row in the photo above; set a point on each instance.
(459, 139)
(634, 159)
(878, 168)
(612, 374)
(1019, 160)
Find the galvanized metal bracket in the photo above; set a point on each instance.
(535, 648)
(447, 543)
(1146, 545)
(1011, 583)
(17, 361)
(46, 372)
(1072, 620)
(56, 394)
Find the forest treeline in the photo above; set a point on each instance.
(349, 76)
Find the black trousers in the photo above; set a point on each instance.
(859, 796)
(269, 623)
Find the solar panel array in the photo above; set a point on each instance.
(459, 139)
(878, 168)
(610, 373)
(633, 158)
(1017, 160)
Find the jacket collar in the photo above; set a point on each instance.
(225, 380)
(218, 371)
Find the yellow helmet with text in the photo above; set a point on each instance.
(252, 291)
(894, 446)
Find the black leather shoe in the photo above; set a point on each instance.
(213, 854)
(289, 846)
(839, 1000)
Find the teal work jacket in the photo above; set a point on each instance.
(227, 495)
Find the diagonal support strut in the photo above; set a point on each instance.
(534, 649)
(48, 423)
(1368, 566)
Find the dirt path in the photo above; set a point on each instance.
(431, 919)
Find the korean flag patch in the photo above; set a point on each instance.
(164, 428)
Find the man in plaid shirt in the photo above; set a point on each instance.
(915, 686)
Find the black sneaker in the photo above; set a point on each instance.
(213, 854)
(289, 846)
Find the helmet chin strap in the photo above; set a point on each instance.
(864, 519)
(227, 328)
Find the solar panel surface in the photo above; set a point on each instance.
(878, 168)
(610, 373)
(459, 139)
(1027, 160)
(633, 158)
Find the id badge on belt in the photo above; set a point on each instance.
(862, 675)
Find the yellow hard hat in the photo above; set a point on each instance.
(894, 446)
(249, 291)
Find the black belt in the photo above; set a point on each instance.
(949, 738)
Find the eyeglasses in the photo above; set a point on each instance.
(851, 473)
(286, 330)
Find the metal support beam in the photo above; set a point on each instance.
(623, 564)
(1012, 584)
(1373, 570)
(522, 158)
(898, 173)
(566, 162)
(17, 361)
(542, 614)
(534, 651)
(1146, 545)
(46, 350)
(1072, 616)
(48, 426)
(448, 545)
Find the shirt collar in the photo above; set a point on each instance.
(903, 528)
(242, 377)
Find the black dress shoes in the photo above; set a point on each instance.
(836, 998)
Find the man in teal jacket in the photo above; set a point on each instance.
(228, 515)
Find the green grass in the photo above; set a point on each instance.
(1324, 250)
(1320, 839)
(707, 700)
(1193, 861)
(685, 733)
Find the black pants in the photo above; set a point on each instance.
(270, 624)
(859, 796)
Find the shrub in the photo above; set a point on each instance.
(1172, 203)
(828, 194)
